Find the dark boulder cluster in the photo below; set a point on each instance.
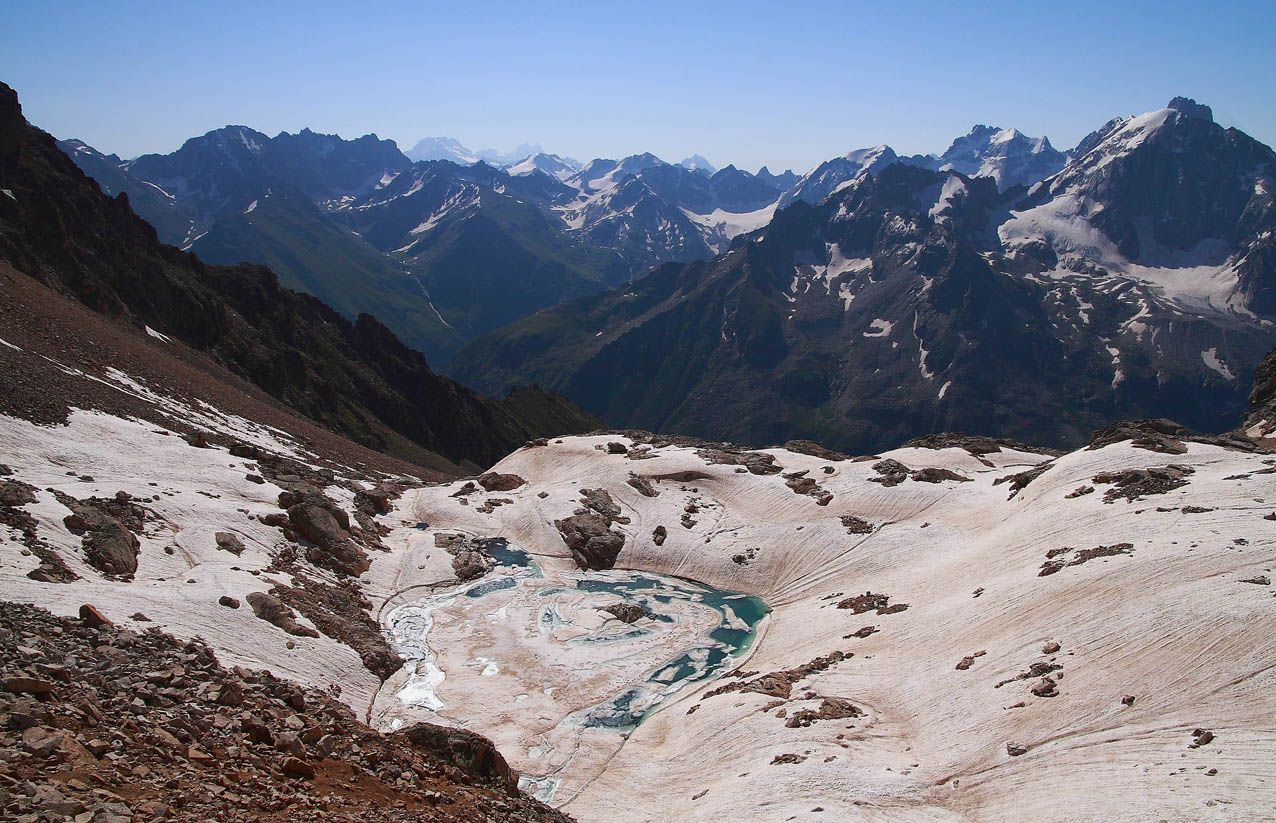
(108, 528)
(14, 494)
(1132, 484)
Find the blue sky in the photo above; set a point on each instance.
(782, 84)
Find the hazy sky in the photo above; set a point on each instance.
(786, 84)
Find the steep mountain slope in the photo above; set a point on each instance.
(357, 378)
(184, 694)
(917, 301)
(478, 244)
(284, 231)
(173, 221)
(1261, 420)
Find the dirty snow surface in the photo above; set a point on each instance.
(892, 644)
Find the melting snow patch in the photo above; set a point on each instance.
(844, 294)
(251, 206)
(1210, 356)
(157, 335)
(10, 345)
(944, 389)
(880, 328)
(11, 194)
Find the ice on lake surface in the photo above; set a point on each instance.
(516, 618)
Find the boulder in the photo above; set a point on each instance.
(273, 611)
(315, 523)
(109, 545)
(246, 451)
(495, 482)
(643, 486)
(469, 564)
(113, 549)
(592, 544)
(472, 754)
(627, 612)
(93, 618)
(229, 542)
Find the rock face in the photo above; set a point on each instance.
(166, 733)
(1261, 420)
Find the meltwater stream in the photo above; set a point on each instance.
(549, 650)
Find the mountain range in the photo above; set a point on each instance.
(873, 298)
(318, 209)
(444, 248)
(1135, 281)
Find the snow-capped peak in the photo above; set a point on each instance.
(553, 165)
(1007, 155)
(441, 148)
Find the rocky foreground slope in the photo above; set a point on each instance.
(112, 725)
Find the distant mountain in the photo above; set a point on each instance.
(783, 181)
(1136, 282)
(469, 246)
(553, 165)
(495, 157)
(1006, 155)
(221, 172)
(441, 148)
(652, 212)
(697, 162)
(333, 217)
(357, 378)
(825, 178)
(479, 246)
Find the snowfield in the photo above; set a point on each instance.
(1045, 655)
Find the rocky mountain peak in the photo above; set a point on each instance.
(1191, 108)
